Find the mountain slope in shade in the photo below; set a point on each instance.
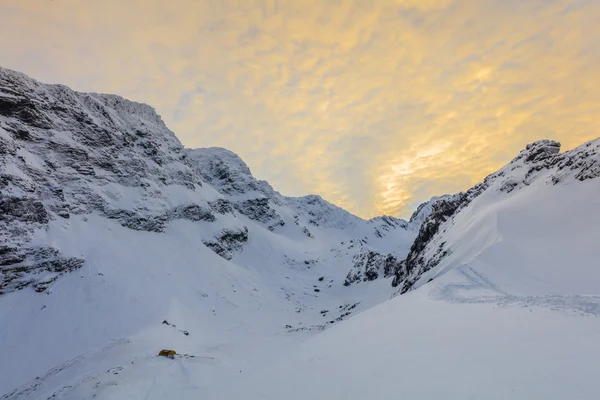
(117, 242)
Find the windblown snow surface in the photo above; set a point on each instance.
(270, 297)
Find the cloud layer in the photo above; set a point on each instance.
(375, 105)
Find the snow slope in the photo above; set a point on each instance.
(513, 311)
(110, 227)
(430, 348)
(117, 242)
(541, 186)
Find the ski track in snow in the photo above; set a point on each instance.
(27, 390)
(86, 385)
(471, 292)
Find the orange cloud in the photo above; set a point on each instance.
(374, 105)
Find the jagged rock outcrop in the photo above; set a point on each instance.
(370, 265)
(441, 211)
(425, 209)
(228, 241)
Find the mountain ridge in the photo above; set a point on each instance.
(116, 242)
(97, 141)
(539, 160)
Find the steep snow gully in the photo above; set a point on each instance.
(117, 242)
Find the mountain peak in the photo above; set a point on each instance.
(539, 150)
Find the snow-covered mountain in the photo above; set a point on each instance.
(108, 226)
(447, 229)
(500, 299)
(68, 154)
(117, 242)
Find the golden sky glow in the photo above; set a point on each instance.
(376, 105)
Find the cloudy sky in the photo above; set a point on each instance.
(375, 104)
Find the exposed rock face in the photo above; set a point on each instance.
(425, 209)
(540, 150)
(228, 242)
(257, 209)
(370, 265)
(540, 162)
(65, 154)
(35, 266)
(226, 171)
(441, 211)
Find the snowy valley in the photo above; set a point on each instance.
(116, 241)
